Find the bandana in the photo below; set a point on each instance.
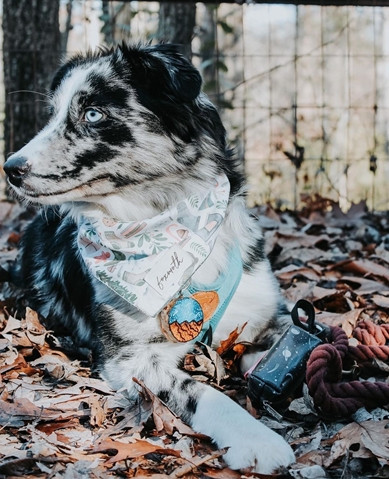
(149, 262)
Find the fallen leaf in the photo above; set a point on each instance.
(312, 458)
(204, 359)
(288, 273)
(12, 324)
(18, 363)
(133, 420)
(335, 303)
(8, 355)
(363, 285)
(381, 301)
(32, 322)
(98, 411)
(217, 362)
(363, 440)
(51, 427)
(163, 417)
(91, 383)
(299, 290)
(225, 473)
(320, 293)
(25, 409)
(350, 319)
(58, 367)
(227, 344)
(299, 240)
(363, 267)
(131, 450)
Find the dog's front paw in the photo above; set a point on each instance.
(251, 444)
(259, 449)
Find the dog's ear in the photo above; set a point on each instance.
(161, 71)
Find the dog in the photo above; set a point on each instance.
(135, 153)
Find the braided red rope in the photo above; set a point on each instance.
(373, 338)
(324, 371)
(370, 333)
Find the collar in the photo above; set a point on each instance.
(149, 262)
(199, 308)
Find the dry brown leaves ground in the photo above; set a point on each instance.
(58, 420)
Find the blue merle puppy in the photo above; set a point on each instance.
(130, 137)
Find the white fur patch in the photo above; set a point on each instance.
(251, 444)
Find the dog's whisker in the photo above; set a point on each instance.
(30, 91)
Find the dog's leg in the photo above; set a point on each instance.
(251, 444)
(134, 350)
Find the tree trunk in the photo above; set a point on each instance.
(31, 51)
(176, 24)
(208, 51)
(64, 36)
(116, 17)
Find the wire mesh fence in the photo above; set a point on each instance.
(301, 89)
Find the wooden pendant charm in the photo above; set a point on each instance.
(183, 318)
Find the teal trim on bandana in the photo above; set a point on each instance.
(225, 286)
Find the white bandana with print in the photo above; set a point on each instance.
(149, 262)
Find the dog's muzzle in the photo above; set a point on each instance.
(16, 169)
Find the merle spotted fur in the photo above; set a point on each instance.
(131, 134)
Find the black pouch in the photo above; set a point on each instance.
(282, 369)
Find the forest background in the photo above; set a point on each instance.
(301, 88)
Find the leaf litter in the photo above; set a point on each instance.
(58, 420)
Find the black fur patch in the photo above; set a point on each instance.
(256, 254)
(55, 279)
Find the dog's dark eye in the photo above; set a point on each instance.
(93, 116)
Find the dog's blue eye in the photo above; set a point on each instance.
(92, 116)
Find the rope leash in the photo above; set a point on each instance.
(324, 370)
(372, 338)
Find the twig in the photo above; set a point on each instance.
(193, 464)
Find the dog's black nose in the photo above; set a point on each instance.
(16, 168)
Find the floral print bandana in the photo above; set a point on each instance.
(149, 262)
